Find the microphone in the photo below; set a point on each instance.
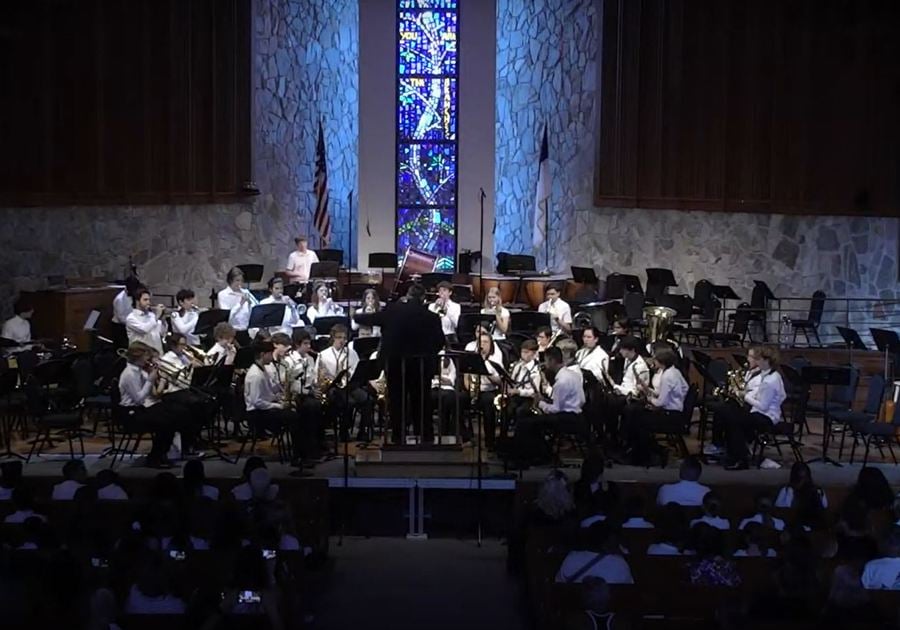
(483, 195)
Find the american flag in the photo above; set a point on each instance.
(320, 218)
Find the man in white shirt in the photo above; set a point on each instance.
(184, 320)
(300, 369)
(591, 357)
(597, 554)
(121, 309)
(143, 324)
(300, 261)
(335, 366)
(559, 311)
(563, 411)
(75, 475)
(236, 300)
(191, 409)
(635, 373)
(884, 572)
(277, 296)
(447, 309)
(18, 327)
(526, 376)
(448, 400)
(764, 399)
(141, 406)
(687, 490)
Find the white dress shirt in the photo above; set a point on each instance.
(504, 314)
(450, 319)
(485, 382)
(300, 263)
(527, 378)
(629, 381)
(65, 490)
(112, 492)
(218, 350)
(785, 498)
(135, 388)
(121, 306)
(595, 361)
(562, 311)
(882, 573)
(447, 377)
(17, 328)
(238, 314)
(176, 362)
(777, 523)
(713, 521)
(682, 492)
(326, 309)
(331, 361)
(260, 390)
(768, 397)
(143, 326)
(301, 372)
(185, 324)
(671, 391)
(290, 318)
(567, 393)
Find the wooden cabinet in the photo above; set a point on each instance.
(62, 313)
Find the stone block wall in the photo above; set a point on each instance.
(546, 71)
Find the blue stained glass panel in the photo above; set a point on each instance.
(428, 229)
(427, 42)
(427, 109)
(429, 4)
(426, 174)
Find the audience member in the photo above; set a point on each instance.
(800, 492)
(711, 567)
(252, 592)
(151, 593)
(884, 572)
(74, 477)
(634, 513)
(763, 514)
(595, 614)
(712, 513)
(597, 554)
(873, 488)
(593, 494)
(10, 476)
(23, 504)
(672, 532)
(687, 490)
(194, 480)
(757, 542)
(258, 487)
(108, 486)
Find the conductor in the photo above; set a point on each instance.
(411, 337)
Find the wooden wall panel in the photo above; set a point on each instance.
(146, 101)
(750, 105)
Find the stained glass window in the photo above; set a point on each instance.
(427, 147)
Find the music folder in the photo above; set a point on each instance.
(267, 315)
(851, 338)
(366, 370)
(207, 320)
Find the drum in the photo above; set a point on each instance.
(416, 262)
(536, 286)
(507, 286)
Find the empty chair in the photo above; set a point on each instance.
(703, 293)
(881, 433)
(853, 421)
(739, 327)
(759, 306)
(811, 323)
(634, 306)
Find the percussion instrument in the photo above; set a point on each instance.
(536, 286)
(415, 261)
(505, 284)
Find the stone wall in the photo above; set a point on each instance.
(305, 63)
(547, 51)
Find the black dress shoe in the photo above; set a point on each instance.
(737, 465)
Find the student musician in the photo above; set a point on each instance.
(321, 304)
(191, 410)
(140, 403)
(562, 410)
(762, 397)
(18, 327)
(238, 301)
(371, 304)
(301, 378)
(485, 389)
(447, 309)
(143, 323)
(621, 329)
(184, 320)
(264, 402)
(122, 305)
(335, 366)
(543, 335)
(493, 305)
(224, 349)
(591, 357)
(277, 296)
(447, 399)
(559, 311)
(484, 328)
(527, 379)
(635, 374)
(300, 261)
(664, 408)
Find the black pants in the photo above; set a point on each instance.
(485, 405)
(409, 395)
(158, 421)
(642, 424)
(720, 410)
(445, 401)
(275, 421)
(740, 427)
(612, 406)
(344, 402)
(309, 408)
(192, 412)
(529, 444)
(119, 335)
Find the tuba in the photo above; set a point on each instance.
(659, 320)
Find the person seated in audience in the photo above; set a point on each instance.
(711, 567)
(597, 554)
(10, 477)
(757, 542)
(595, 599)
(151, 593)
(35, 535)
(252, 591)
(849, 604)
(194, 481)
(592, 490)
(884, 572)
(103, 610)
(18, 327)
(853, 532)
(108, 486)
(712, 513)
(634, 513)
(687, 490)
(794, 591)
(800, 490)
(873, 488)
(763, 514)
(259, 487)
(23, 506)
(672, 533)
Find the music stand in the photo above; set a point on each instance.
(853, 341)
(661, 277)
(584, 275)
(244, 358)
(207, 320)
(472, 364)
(252, 273)
(724, 293)
(330, 255)
(327, 269)
(465, 326)
(323, 324)
(618, 284)
(528, 321)
(267, 315)
(383, 260)
(887, 342)
(365, 346)
(704, 413)
(825, 375)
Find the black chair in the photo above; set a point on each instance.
(759, 306)
(739, 327)
(784, 433)
(811, 323)
(882, 433)
(50, 421)
(854, 420)
(576, 430)
(634, 307)
(714, 374)
(675, 434)
(703, 293)
(797, 391)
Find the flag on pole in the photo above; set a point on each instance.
(321, 220)
(542, 196)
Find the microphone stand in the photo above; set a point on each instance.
(481, 244)
(349, 240)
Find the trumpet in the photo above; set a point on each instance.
(197, 355)
(442, 308)
(250, 297)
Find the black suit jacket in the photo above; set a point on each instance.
(408, 329)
